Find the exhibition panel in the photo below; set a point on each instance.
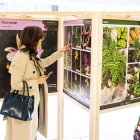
(77, 62)
(10, 30)
(120, 63)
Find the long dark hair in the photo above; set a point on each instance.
(30, 37)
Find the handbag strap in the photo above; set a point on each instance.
(25, 87)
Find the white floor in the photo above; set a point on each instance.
(116, 125)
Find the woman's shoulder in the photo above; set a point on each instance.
(21, 56)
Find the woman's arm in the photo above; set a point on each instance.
(51, 59)
(55, 56)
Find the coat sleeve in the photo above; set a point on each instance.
(51, 59)
(17, 70)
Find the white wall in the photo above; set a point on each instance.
(66, 5)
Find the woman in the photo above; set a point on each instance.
(26, 67)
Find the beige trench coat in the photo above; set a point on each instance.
(22, 68)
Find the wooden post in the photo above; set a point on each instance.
(60, 101)
(95, 90)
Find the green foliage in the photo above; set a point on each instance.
(137, 88)
(137, 54)
(113, 62)
(135, 85)
(121, 37)
(76, 36)
(136, 43)
(121, 43)
(107, 35)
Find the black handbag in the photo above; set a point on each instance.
(18, 106)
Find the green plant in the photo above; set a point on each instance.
(121, 37)
(137, 49)
(113, 62)
(118, 33)
(76, 36)
(137, 54)
(134, 84)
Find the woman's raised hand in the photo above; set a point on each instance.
(66, 48)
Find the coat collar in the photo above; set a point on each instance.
(22, 47)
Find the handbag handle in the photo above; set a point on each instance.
(25, 87)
